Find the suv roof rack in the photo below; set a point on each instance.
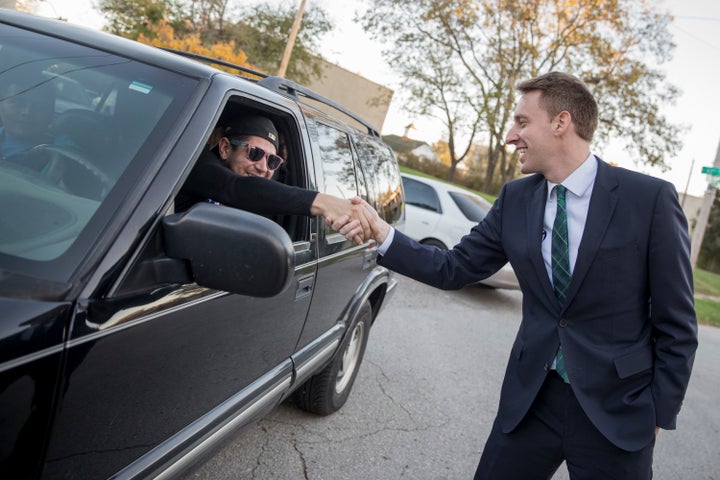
(216, 61)
(295, 91)
(279, 84)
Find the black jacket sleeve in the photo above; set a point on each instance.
(210, 180)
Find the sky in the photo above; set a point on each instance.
(695, 69)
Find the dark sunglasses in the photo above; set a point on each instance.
(255, 154)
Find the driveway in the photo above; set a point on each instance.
(425, 398)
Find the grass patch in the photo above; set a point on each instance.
(707, 283)
(708, 312)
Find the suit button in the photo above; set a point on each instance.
(545, 367)
(563, 322)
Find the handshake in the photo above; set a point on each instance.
(356, 220)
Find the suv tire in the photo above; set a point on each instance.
(327, 391)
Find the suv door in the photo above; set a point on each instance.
(157, 364)
(342, 264)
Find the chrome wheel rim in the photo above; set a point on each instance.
(350, 357)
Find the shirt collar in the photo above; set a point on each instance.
(581, 180)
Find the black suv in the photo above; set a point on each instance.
(134, 338)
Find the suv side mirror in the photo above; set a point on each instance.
(231, 250)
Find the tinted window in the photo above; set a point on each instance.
(338, 172)
(73, 122)
(473, 209)
(339, 178)
(379, 162)
(421, 195)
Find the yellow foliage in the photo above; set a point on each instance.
(442, 150)
(164, 36)
(28, 6)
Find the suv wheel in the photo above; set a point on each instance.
(327, 391)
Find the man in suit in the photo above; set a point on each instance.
(604, 352)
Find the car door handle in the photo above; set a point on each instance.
(333, 238)
(304, 286)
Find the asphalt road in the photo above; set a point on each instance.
(425, 398)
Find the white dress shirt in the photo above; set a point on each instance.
(577, 202)
(579, 189)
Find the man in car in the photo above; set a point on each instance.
(237, 172)
(27, 105)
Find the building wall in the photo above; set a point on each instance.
(7, 4)
(364, 97)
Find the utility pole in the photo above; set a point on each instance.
(291, 39)
(702, 220)
(687, 185)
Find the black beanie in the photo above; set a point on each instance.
(254, 125)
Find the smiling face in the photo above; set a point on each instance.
(533, 135)
(237, 159)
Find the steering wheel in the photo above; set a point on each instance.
(57, 160)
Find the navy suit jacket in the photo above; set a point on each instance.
(628, 327)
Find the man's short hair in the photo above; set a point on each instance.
(564, 92)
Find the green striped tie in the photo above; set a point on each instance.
(560, 266)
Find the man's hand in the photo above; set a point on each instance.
(335, 208)
(351, 228)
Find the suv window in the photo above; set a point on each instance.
(421, 195)
(340, 177)
(379, 162)
(74, 121)
(338, 174)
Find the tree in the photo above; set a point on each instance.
(263, 30)
(499, 42)
(434, 87)
(163, 35)
(260, 31)
(130, 18)
(29, 6)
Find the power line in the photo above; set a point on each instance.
(695, 37)
(691, 17)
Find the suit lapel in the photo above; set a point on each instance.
(535, 216)
(600, 211)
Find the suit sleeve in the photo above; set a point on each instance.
(210, 179)
(478, 255)
(672, 312)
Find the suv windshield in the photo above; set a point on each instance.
(76, 124)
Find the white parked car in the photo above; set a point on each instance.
(439, 214)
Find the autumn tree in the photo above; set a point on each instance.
(433, 86)
(612, 45)
(163, 35)
(29, 6)
(260, 31)
(131, 18)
